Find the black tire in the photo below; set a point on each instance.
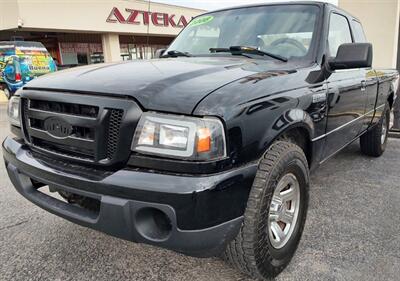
(252, 251)
(371, 142)
(7, 92)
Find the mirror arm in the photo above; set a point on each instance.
(321, 74)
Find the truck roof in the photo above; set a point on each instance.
(9, 48)
(274, 4)
(319, 3)
(21, 43)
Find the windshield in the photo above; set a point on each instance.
(284, 30)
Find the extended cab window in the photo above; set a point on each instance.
(358, 32)
(285, 30)
(339, 33)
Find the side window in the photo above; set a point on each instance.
(358, 32)
(339, 33)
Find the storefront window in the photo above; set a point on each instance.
(81, 53)
(139, 51)
(75, 54)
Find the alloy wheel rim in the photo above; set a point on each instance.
(384, 131)
(284, 211)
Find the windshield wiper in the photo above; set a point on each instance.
(240, 50)
(175, 54)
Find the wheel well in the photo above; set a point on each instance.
(301, 137)
(390, 100)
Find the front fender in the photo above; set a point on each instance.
(290, 119)
(293, 118)
(254, 131)
(256, 114)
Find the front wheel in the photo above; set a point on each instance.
(275, 213)
(7, 92)
(373, 143)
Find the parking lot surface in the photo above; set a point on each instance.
(352, 233)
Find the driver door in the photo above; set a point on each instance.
(346, 96)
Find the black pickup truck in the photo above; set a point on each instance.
(207, 149)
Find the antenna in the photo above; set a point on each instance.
(148, 30)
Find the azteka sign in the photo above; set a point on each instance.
(137, 17)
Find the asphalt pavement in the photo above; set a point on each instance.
(352, 233)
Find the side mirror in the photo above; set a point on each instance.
(353, 55)
(159, 53)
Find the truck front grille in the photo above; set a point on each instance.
(79, 132)
(64, 150)
(85, 133)
(114, 126)
(65, 108)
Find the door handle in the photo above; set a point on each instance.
(363, 86)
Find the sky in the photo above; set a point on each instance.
(217, 4)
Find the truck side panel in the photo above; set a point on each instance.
(386, 80)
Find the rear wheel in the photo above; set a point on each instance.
(373, 143)
(275, 213)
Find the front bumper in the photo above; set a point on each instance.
(203, 213)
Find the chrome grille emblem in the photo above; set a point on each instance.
(57, 127)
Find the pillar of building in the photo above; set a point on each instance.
(111, 48)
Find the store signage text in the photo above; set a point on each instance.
(137, 17)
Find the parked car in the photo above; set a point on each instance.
(21, 62)
(208, 149)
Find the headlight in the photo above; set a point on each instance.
(13, 111)
(180, 137)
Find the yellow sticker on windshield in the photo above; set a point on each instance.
(201, 20)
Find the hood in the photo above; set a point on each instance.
(171, 85)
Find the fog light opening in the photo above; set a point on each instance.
(153, 224)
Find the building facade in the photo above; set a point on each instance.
(83, 32)
(380, 19)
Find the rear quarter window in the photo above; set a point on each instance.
(358, 32)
